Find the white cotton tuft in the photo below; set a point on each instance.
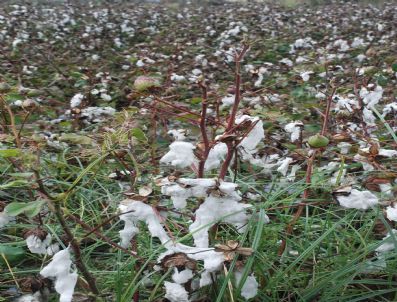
(344, 147)
(180, 155)
(138, 211)
(295, 129)
(38, 246)
(175, 292)
(391, 213)
(388, 243)
(215, 156)
(253, 138)
(4, 219)
(228, 100)
(284, 165)
(306, 75)
(250, 287)
(59, 268)
(371, 98)
(369, 117)
(361, 200)
(223, 208)
(184, 188)
(178, 134)
(76, 100)
(183, 276)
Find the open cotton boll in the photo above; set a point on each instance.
(36, 245)
(175, 292)
(4, 219)
(228, 100)
(284, 165)
(183, 276)
(344, 147)
(371, 98)
(295, 129)
(250, 287)
(212, 260)
(184, 188)
(254, 137)
(214, 209)
(59, 268)
(178, 134)
(76, 100)
(391, 213)
(305, 75)
(369, 117)
(361, 200)
(180, 155)
(388, 243)
(215, 156)
(138, 211)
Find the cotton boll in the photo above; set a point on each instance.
(391, 213)
(178, 134)
(344, 147)
(295, 129)
(106, 97)
(216, 154)
(306, 75)
(138, 211)
(177, 78)
(175, 292)
(287, 62)
(59, 268)
(4, 219)
(183, 276)
(76, 100)
(184, 188)
(358, 200)
(228, 101)
(180, 155)
(369, 117)
(371, 98)
(36, 245)
(250, 287)
(213, 209)
(248, 146)
(388, 243)
(283, 168)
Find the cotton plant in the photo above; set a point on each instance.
(217, 200)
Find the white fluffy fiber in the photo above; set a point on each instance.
(175, 292)
(358, 200)
(59, 268)
(180, 155)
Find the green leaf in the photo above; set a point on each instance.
(30, 209)
(394, 67)
(139, 134)
(75, 139)
(14, 184)
(11, 253)
(9, 152)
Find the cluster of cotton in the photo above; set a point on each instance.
(36, 245)
(59, 268)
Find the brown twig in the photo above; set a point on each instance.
(203, 129)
